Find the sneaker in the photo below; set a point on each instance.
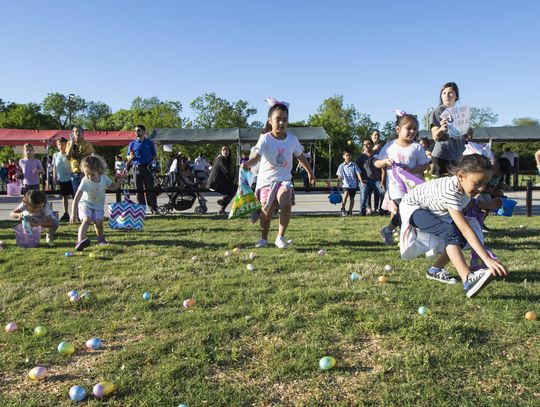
(83, 244)
(343, 212)
(101, 241)
(440, 275)
(65, 217)
(261, 243)
(369, 211)
(49, 240)
(387, 236)
(476, 281)
(281, 242)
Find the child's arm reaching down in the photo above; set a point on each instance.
(476, 245)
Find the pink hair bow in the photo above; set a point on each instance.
(273, 101)
(400, 112)
(480, 149)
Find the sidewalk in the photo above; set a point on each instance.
(314, 203)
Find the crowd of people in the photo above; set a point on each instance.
(467, 179)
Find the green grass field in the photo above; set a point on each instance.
(256, 337)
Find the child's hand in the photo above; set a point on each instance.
(496, 268)
(244, 166)
(388, 162)
(72, 220)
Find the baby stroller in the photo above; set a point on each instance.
(184, 199)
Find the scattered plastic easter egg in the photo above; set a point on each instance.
(73, 293)
(93, 343)
(40, 330)
(355, 276)
(193, 258)
(290, 241)
(103, 389)
(327, 363)
(388, 267)
(521, 226)
(2, 243)
(11, 327)
(530, 316)
(321, 252)
(252, 255)
(349, 142)
(38, 373)
(92, 256)
(66, 348)
(423, 311)
(190, 302)
(250, 267)
(182, 405)
(68, 254)
(77, 393)
(146, 296)
(236, 250)
(75, 298)
(227, 253)
(86, 295)
(382, 279)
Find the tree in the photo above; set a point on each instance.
(482, 117)
(215, 112)
(343, 124)
(525, 121)
(25, 116)
(96, 115)
(66, 110)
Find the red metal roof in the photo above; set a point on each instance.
(19, 137)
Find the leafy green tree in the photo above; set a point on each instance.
(525, 121)
(215, 112)
(96, 115)
(66, 110)
(482, 117)
(25, 116)
(343, 124)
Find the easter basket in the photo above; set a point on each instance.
(14, 189)
(126, 214)
(27, 238)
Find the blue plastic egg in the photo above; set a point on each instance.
(423, 311)
(68, 254)
(355, 276)
(77, 393)
(146, 296)
(93, 343)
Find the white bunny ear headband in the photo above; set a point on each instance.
(480, 149)
(273, 101)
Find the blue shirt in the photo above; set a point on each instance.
(349, 174)
(144, 151)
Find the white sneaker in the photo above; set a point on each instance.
(48, 240)
(281, 242)
(261, 243)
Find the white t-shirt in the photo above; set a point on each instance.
(200, 164)
(412, 156)
(437, 196)
(276, 158)
(94, 192)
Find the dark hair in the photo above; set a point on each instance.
(471, 163)
(34, 197)
(347, 152)
(63, 140)
(277, 106)
(140, 126)
(454, 87)
(407, 117)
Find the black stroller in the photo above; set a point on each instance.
(183, 197)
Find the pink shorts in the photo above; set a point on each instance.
(93, 214)
(264, 193)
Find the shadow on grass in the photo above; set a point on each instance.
(520, 276)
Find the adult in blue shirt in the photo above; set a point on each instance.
(141, 152)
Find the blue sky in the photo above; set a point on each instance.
(380, 55)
